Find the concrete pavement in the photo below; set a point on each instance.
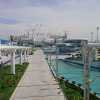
(37, 82)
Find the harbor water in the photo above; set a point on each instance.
(74, 72)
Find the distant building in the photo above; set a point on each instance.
(76, 42)
(4, 41)
(69, 46)
(97, 54)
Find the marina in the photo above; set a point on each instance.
(49, 50)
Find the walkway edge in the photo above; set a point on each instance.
(13, 94)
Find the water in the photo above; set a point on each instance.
(74, 72)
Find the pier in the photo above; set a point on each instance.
(38, 82)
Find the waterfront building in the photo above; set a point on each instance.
(97, 54)
(70, 46)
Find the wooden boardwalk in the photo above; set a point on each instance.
(37, 82)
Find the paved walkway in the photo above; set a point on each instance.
(37, 82)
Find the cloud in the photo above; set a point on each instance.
(7, 21)
(24, 3)
(55, 15)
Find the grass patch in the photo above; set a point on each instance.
(69, 92)
(73, 92)
(8, 82)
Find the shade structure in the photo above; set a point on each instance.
(12, 50)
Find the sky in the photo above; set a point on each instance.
(78, 17)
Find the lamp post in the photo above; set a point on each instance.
(92, 36)
(97, 34)
(33, 31)
(11, 39)
(50, 60)
(87, 62)
(88, 50)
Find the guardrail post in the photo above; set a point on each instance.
(13, 62)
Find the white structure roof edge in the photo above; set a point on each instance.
(4, 47)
